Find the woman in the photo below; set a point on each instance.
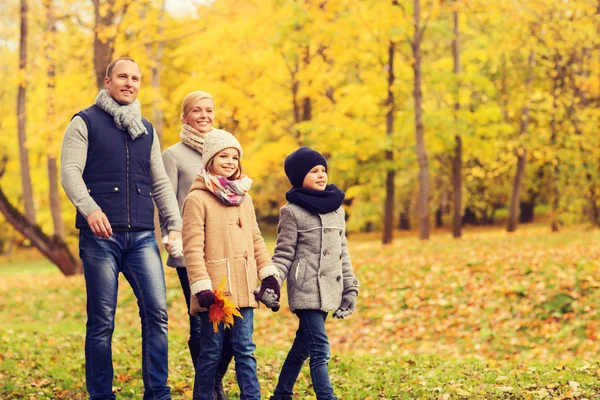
(183, 161)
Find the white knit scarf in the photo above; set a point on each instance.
(192, 138)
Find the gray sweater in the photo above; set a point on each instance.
(73, 157)
(312, 253)
(182, 165)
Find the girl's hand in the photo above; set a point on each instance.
(268, 298)
(206, 298)
(270, 282)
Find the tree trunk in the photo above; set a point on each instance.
(53, 192)
(457, 159)
(421, 151)
(104, 44)
(513, 213)
(526, 212)
(54, 248)
(22, 119)
(388, 217)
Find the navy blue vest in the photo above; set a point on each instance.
(117, 172)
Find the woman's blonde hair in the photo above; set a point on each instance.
(210, 167)
(192, 99)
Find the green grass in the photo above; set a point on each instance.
(490, 316)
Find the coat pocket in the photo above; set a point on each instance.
(145, 205)
(299, 273)
(219, 270)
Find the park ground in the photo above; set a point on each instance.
(490, 316)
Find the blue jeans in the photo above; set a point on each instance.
(311, 341)
(136, 255)
(243, 348)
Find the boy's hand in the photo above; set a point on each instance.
(270, 282)
(268, 298)
(347, 306)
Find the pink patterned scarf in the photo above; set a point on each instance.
(231, 193)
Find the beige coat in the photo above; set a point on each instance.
(223, 242)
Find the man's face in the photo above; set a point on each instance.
(124, 83)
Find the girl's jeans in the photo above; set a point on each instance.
(243, 348)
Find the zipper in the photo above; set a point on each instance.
(127, 181)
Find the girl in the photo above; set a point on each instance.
(222, 241)
(182, 161)
(312, 253)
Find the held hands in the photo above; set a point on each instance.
(268, 298)
(99, 224)
(206, 298)
(268, 293)
(173, 244)
(347, 306)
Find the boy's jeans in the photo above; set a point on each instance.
(311, 341)
(136, 255)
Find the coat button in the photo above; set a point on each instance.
(340, 256)
(337, 278)
(139, 191)
(340, 233)
(116, 189)
(322, 274)
(89, 190)
(325, 252)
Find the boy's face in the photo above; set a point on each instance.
(316, 178)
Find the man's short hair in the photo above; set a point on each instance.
(111, 66)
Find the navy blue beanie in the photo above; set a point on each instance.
(300, 162)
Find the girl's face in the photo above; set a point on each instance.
(226, 162)
(316, 178)
(201, 115)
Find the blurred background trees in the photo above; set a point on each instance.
(432, 113)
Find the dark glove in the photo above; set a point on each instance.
(268, 298)
(206, 298)
(347, 306)
(270, 282)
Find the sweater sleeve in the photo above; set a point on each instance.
(171, 169)
(73, 157)
(163, 194)
(193, 236)
(264, 264)
(287, 237)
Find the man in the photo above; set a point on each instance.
(112, 170)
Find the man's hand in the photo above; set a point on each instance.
(173, 235)
(99, 224)
(174, 244)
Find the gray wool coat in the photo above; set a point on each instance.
(312, 254)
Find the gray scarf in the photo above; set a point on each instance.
(127, 117)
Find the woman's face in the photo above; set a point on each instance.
(226, 162)
(201, 115)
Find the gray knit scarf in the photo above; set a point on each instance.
(192, 138)
(127, 117)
